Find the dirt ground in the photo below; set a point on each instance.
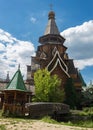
(11, 124)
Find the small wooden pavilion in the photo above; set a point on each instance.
(15, 96)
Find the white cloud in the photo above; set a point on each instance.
(12, 53)
(2, 47)
(79, 41)
(81, 64)
(33, 19)
(6, 37)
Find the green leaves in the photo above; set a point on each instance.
(70, 94)
(87, 96)
(47, 87)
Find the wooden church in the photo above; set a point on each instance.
(51, 54)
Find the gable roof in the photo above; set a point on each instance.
(17, 82)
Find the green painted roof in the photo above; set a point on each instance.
(82, 80)
(17, 82)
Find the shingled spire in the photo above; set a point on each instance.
(51, 27)
(52, 34)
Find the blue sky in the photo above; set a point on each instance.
(22, 22)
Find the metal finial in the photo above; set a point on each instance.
(7, 78)
(19, 67)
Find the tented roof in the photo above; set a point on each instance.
(17, 82)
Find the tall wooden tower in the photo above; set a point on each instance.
(51, 54)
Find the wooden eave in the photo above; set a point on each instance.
(45, 38)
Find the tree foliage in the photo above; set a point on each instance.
(47, 87)
(70, 94)
(87, 96)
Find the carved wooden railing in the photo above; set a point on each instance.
(14, 109)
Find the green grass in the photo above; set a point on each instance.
(49, 120)
(85, 112)
(2, 127)
(86, 124)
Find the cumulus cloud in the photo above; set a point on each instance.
(14, 52)
(79, 41)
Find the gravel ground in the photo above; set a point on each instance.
(11, 124)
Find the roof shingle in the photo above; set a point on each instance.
(17, 82)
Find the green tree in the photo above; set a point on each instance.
(87, 96)
(70, 94)
(47, 87)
